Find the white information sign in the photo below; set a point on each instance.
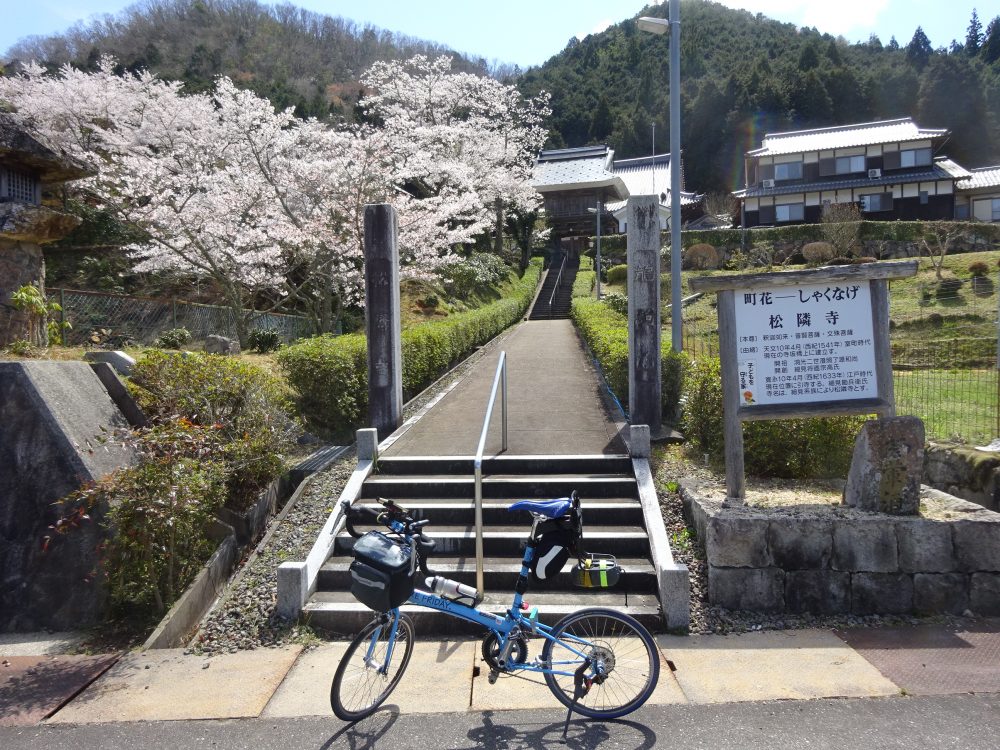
(802, 344)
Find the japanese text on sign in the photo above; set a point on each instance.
(803, 344)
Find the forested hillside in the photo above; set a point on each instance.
(745, 74)
(292, 56)
(742, 74)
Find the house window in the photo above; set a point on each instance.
(923, 198)
(789, 171)
(876, 202)
(790, 212)
(850, 164)
(914, 157)
(961, 212)
(996, 209)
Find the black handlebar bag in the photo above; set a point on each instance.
(380, 574)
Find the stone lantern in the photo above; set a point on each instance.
(28, 170)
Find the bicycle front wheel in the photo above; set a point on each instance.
(622, 650)
(361, 684)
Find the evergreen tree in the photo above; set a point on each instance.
(893, 44)
(919, 50)
(990, 49)
(974, 36)
(951, 97)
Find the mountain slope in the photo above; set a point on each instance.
(744, 74)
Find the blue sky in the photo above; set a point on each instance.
(528, 32)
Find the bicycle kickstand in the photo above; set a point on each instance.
(581, 686)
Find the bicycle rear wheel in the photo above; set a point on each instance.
(360, 685)
(625, 648)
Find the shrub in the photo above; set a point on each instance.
(330, 374)
(606, 333)
(935, 320)
(478, 270)
(700, 257)
(817, 253)
(793, 448)
(158, 513)
(979, 268)
(982, 286)
(617, 302)
(948, 288)
(618, 274)
(263, 341)
(242, 403)
(175, 338)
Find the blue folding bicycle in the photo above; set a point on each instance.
(598, 662)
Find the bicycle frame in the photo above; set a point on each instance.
(501, 627)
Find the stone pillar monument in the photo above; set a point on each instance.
(643, 258)
(382, 319)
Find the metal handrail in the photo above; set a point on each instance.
(499, 379)
(558, 279)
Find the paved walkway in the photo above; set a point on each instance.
(292, 682)
(555, 402)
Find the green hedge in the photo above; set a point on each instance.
(606, 333)
(896, 231)
(790, 448)
(330, 373)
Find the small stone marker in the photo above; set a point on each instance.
(382, 319)
(643, 249)
(887, 466)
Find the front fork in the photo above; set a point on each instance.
(391, 620)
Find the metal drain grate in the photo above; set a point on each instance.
(933, 659)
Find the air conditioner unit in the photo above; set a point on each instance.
(767, 183)
(873, 173)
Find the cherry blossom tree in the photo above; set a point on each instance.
(271, 208)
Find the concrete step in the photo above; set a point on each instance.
(500, 486)
(508, 541)
(540, 465)
(596, 511)
(499, 574)
(341, 613)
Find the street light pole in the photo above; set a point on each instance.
(660, 26)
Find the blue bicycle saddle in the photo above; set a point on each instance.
(549, 508)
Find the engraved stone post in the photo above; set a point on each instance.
(385, 360)
(644, 313)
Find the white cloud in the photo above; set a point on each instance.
(852, 18)
(601, 26)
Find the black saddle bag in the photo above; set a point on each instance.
(380, 573)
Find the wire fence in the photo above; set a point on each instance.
(944, 337)
(118, 321)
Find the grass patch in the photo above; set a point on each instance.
(954, 404)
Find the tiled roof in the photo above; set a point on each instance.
(567, 168)
(844, 136)
(952, 168)
(936, 172)
(647, 175)
(984, 177)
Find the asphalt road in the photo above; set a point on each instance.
(953, 721)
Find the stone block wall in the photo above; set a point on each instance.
(833, 560)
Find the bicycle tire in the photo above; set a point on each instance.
(353, 693)
(635, 669)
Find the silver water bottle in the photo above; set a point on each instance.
(453, 590)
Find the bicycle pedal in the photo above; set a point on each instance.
(494, 674)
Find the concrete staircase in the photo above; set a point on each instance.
(442, 489)
(562, 299)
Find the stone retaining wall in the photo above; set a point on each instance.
(833, 559)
